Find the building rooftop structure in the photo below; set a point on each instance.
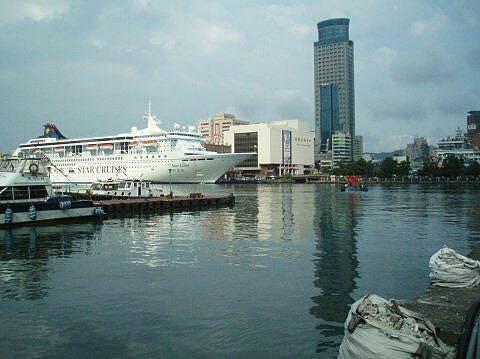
(214, 128)
(458, 141)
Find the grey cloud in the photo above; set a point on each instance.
(92, 65)
(473, 58)
(425, 67)
(281, 104)
(398, 106)
(454, 104)
(292, 104)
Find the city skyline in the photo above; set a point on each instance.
(90, 68)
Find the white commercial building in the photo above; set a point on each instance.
(282, 147)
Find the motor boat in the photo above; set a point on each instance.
(354, 184)
(27, 197)
(117, 189)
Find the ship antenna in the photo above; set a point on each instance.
(151, 119)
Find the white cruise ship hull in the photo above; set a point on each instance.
(158, 168)
(151, 154)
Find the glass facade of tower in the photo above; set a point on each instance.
(333, 65)
(328, 115)
(331, 31)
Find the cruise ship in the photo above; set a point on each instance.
(152, 153)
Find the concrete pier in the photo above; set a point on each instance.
(133, 206)
(447, 308)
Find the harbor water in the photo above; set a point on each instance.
(272, 276)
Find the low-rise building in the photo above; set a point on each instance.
(324, 160)
(214, 128)
(281, 147)
(341, 147)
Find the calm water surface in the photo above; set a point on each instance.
(273, 276)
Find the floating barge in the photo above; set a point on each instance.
(133, 206)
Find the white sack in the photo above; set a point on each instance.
(450, 269)
(377, 328)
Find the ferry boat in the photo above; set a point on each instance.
(152, 154)
(105, 190)
(27, 198)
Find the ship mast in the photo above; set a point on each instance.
(151, 120)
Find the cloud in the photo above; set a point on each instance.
(142, 4)
(96, 42)
(281, 104)
(11, 12)
(386, 55)
(429, 26)
(102, 59)
(398, 106)
(167, 42)
(216, 35)
(425, 67)
(453, 104)
(473, 58)
(285, 16)
(292, 104)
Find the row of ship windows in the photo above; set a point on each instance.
(65, 162)
(131, 167)
(99, 158)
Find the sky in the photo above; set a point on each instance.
(91, 66)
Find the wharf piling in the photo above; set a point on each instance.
(133, 206)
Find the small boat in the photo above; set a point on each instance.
(27, 198)
(115, 189)
(354, 185)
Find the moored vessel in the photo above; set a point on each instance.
(152, 153)
(117, 189)
(354, 184)
(27, 198)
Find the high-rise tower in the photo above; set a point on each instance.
(333, 56)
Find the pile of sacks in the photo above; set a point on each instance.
(377, 328)
(450, 269)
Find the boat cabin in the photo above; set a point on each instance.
(24, 180)
(124, 188)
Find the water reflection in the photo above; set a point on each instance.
(25, 254)
(336, 263)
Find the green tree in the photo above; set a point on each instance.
(344, 168)
(472, 168)
(453, 166)
(429, 169)
(403, 168)
(362, 168)
(388, 168)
